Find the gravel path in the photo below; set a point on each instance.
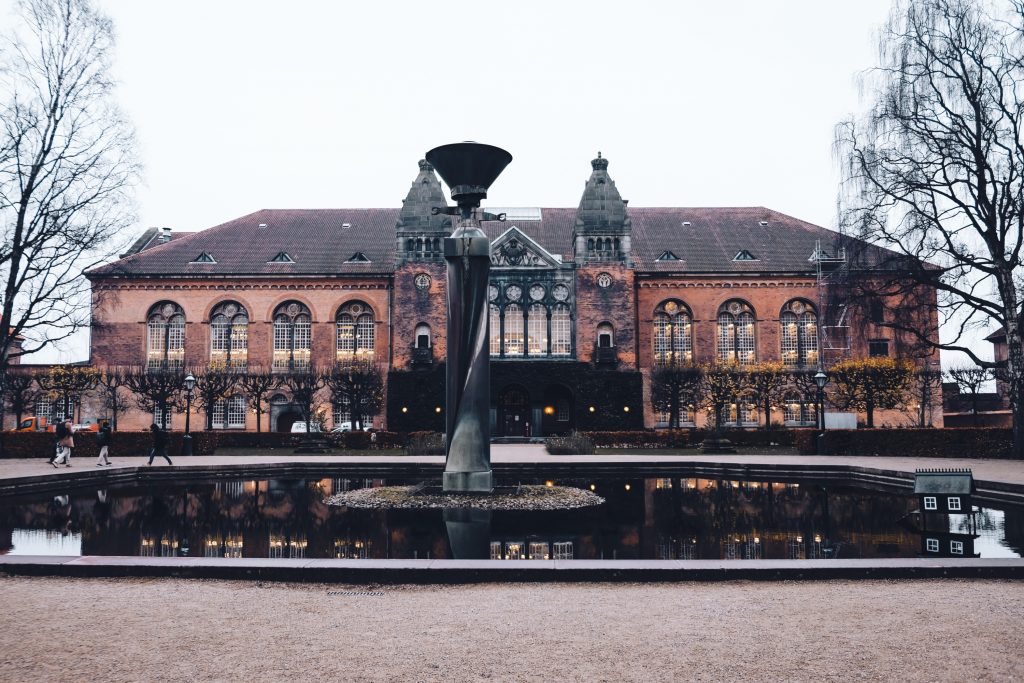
(54, 629)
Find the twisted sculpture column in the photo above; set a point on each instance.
(468, 385)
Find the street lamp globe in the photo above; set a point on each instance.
(190, 382)
(821, 379)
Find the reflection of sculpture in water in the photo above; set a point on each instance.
(469, 533)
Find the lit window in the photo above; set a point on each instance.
(292, 337)
(953, 502)
(797, 411)
(956, 547)
(539, 550)
(736, 342)
(229, 413)
(513, 330)
(878, 348)
(561, 331)
(562, 550)
(229, 334)
(538, 330)
(495, 315)
(930, 503)
(514, 551)
(932, 545)
(798, 325)
(562, 412)
(166, 343)
(355, 331)
(673, 333)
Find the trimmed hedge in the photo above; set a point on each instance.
(672, 438)
(572, 444)
(42, 444)
(910, 443)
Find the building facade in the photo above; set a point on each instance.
(585, 303)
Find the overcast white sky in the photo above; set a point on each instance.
(247, 105)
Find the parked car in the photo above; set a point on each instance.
(33, 424)
(347, 427)
(300, 427)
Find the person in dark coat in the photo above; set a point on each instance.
(159, 444)
(103, 441)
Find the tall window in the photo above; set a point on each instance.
(513, 330)
(165, 348)
(673, 333)
(561, 331)
(736, 341)
(537, 336)
(355, 331)
(797, 411)
(229, 336)
(229, 413)
(495, 315)
(798, 332)
(292, 337)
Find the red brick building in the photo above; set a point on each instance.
(585, 302)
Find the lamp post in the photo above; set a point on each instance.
(186, 441)
(820, 380)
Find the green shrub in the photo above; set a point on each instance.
(425, 443)
(573, 444)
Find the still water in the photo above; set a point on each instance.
(666, 518)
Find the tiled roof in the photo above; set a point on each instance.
(706, 240)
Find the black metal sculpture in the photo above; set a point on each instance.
(468, 169)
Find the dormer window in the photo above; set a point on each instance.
(205, 257)
(358, 257)
(744, 255)
(667, 256)
(282, 257)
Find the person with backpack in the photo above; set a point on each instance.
(65, 442)
(159, 444)
(103, 441)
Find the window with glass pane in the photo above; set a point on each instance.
(561, 331)
(673, 333)
(44, 410)
(236, 412)
(537, 336)
(808, 327)
(789, 334)
(748, 413)
(797, 411)
(539, 550)
(165, 348)
(745, 344)
(726, 347)
(356, 331)
(346, 335)
(513, 330)
(562, 550)
(495, 316)
(219, 414)
(736, 340)
(229, 330)
(798, 325)
(292, 337)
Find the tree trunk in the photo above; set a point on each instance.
(869, 408)
(767, 414)
(259, 413)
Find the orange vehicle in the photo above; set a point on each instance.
(33, 424)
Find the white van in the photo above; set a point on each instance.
(300, 427)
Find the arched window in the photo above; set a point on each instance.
(355, 324)
(229, 333)
(799, 412)
(513, 330)
(673, 333)
(736, 340)
(798, 332)
(537, 334)
(423, 336)
(561, 331)
(292, 337)
(165, 347)
(495, 322)
(605, 336)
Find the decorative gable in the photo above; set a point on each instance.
(515, 249)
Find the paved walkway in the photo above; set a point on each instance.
(1006, 471)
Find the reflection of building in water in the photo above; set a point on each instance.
(229, 545)
(159, 545)
(351, 549)
(533, 550)
(287, 544)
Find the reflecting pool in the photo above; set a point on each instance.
(652, 518)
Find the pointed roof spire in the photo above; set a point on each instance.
(424, 195)
(601, 208)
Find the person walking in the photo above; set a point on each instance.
(65, 443)
(103, 441)
(159, 444)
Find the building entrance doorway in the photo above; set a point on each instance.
(514, 412)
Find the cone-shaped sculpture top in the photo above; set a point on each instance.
(468, 168)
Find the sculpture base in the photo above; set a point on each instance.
(468, 482)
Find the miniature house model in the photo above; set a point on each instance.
(944, 491)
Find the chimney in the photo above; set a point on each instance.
(165, 235)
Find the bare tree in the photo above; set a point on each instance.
(20, 392)
(767, 383)
(934, 172)
(871, 384)
(970, 380)
(360, 386)
(305, 386)
(157, 391)
(257, 383)
(212, 386)
(675, 386)
(67, 384)
(112, 381)
(926, 384)
(66, 170)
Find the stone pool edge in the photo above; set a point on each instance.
(394, 572)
